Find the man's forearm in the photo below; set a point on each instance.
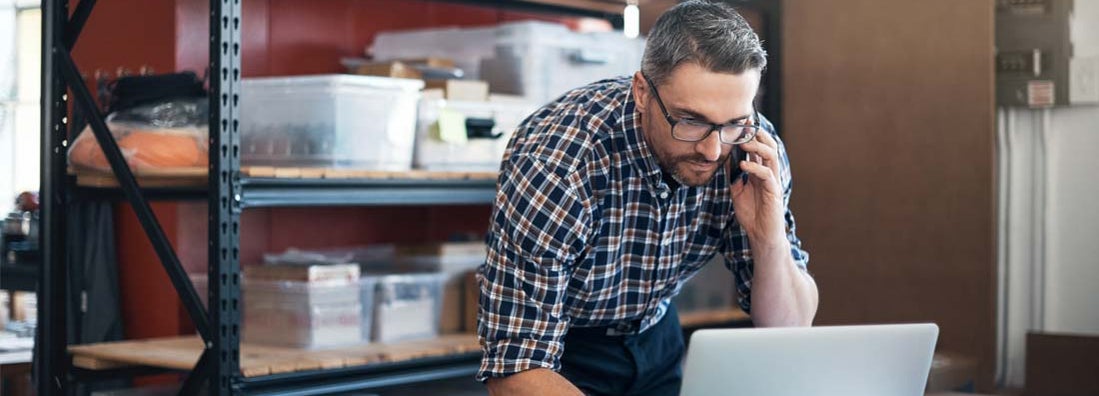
(533, 382)
(782, 293)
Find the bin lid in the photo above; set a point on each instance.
(332, 82)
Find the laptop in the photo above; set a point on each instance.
(878, 360)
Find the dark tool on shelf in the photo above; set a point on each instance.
(482, 128)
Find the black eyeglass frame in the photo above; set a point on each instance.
(754, 126)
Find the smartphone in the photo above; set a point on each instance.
(734, 166)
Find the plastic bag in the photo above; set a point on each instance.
(167, 134)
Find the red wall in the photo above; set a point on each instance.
(280, 37)
(287, 37)
(107, 44)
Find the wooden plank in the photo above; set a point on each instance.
(312, 173)
(443, 345)
(189, 177)
(339, 173)
(173, 353)
(107, 180)
(295, 359)
(258, 171)
(194, 171)
(484, 175)
(288, 173)
(92, 363)
(181, 353)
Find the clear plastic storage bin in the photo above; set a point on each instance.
(405, 306)
(543, 62)
(343, 121)
(466, 46)
(474, 154)
(302, 314)
(539, 60)
(365, 256)
(298, 314)
(301, 293)
(303, 325)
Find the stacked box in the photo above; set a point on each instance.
(453, 260)
(405, 306)
(309, 306)
(473, 153)
(302, 314)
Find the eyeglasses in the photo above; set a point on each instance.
(694, 131)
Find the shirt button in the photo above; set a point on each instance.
(663, 195)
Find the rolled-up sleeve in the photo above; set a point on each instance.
(737, 250)
(538, 228)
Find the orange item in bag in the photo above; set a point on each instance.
(85, 152)
(143, 149)
(152, 149)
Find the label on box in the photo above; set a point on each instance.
(1040, 93)
(452, 127)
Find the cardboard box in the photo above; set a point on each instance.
(454, 260)
(471, 302)
(430, 62)
(24, 306)
(395, 69)
(471, 90)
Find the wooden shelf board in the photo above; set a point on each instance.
(181, 353)
(196, 177)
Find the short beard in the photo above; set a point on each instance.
(673, 170)
(668, 167)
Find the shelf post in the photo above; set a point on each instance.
(50, 348)
(224, 196)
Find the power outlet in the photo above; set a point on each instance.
(1084, 80)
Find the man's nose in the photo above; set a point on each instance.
(710, 147)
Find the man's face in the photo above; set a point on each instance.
(692, 92)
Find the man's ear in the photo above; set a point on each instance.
(640, 92)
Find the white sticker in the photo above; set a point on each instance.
(1039, 93)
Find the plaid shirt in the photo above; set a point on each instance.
(585, 231)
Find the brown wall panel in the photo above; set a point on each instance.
(888, 117)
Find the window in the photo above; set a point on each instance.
(20, 68)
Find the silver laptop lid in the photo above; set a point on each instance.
(878, 360)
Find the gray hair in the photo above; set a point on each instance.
(712, 35)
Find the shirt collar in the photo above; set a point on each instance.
(636, 149)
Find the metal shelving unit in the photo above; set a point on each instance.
(228, 193)
(271, 192)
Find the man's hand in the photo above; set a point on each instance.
(538, 381)
(758, 202)
(782, 294)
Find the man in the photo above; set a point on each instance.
(613, 196)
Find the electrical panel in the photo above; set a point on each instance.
(1047, 52)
